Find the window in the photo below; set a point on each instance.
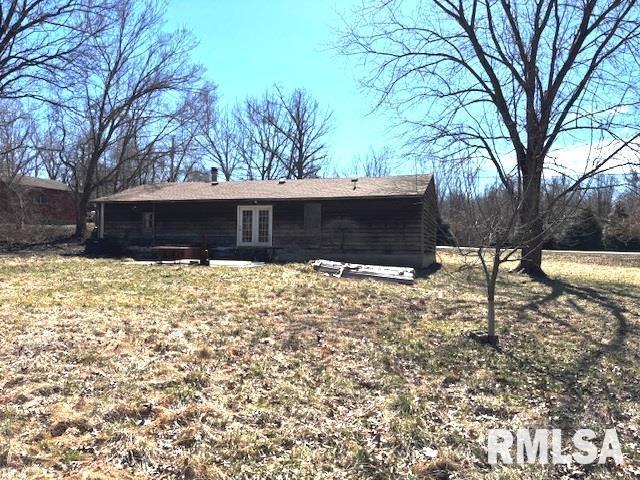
(263, 226)
(41, 199)
(255, 225)
(247, 226)
(147, 220)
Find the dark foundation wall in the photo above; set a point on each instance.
(387, 231)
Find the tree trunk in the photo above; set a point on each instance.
(492, 338)
(81, 217)
(491, 320)
(531, 261)
(532, 226)
(84, 195)
(21, 213)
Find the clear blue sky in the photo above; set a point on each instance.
(248, 45)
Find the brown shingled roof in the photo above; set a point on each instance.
(316, 188)
(36, 182)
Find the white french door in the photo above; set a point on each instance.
(255, 225)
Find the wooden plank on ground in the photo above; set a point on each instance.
(404, 275)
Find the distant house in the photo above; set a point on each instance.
(385, 220)
(33, 200)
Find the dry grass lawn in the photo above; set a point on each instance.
(116, 370)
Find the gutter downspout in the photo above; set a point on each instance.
(154, 225)
(101, 222)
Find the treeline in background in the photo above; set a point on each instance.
(99, 95)
(605, 215)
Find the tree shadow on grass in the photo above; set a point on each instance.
(587, 382)
(564, 371)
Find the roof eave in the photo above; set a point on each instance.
(254, 199)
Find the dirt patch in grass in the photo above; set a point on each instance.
(115, 370)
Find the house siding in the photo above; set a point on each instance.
(395, 231)
(34, 205)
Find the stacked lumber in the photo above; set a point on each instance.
(404, 275)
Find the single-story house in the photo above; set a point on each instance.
(33, 200)
(384, 220)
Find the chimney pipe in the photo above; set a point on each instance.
(214, 175)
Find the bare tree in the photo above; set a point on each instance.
(37, 40)
(622, 228)
(49, 150)
(17, 152)
(492, 212)
(17, 159)
(632, 184)
(181, 153)
(305, 126)
(509, 82)
(120, 105)
(217, 133)
(376, 163)
(261, 141)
